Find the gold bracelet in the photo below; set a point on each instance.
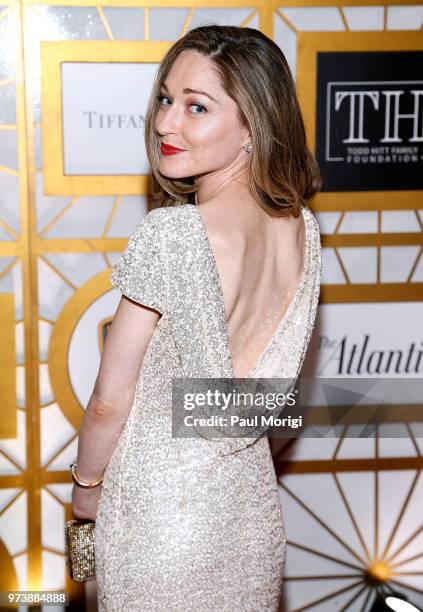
(78, 481)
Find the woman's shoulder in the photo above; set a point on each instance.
(314, 243)
(313, 229)
(168, 216)
(311, 216)
(171, 223)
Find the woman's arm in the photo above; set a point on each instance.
(112, 397)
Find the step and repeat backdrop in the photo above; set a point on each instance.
(74, 82)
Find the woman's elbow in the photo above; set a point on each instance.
(100, 410)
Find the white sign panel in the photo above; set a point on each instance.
(104, 107)
(368, 340)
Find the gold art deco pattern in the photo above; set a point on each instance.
(55, 258)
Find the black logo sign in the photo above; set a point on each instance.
(369, 120)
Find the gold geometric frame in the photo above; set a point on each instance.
(8, 426)
(52, 56)
(375, 566)
(29, 244)
(61, 336)
(309, 45)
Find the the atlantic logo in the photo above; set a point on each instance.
(344, 357)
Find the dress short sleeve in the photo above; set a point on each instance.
(139, 273)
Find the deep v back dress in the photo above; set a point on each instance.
(194, 525)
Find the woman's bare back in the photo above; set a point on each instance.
(259, 259)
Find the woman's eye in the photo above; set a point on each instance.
(199, 106)
(161, 98)
(199, 109)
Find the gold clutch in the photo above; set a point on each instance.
(80, 559)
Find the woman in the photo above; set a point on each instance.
(224, 287)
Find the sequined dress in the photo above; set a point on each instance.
(193, 525)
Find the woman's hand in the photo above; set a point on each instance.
(85, 502)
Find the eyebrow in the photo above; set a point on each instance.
(188, 90)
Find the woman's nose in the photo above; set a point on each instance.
(168, 120)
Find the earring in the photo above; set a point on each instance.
(248, 147)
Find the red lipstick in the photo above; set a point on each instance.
(167, 149)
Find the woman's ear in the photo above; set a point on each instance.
(246, 135)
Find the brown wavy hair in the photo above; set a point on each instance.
(253, 71)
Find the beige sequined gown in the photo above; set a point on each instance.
(193, 525)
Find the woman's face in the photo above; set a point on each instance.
(205, 125)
